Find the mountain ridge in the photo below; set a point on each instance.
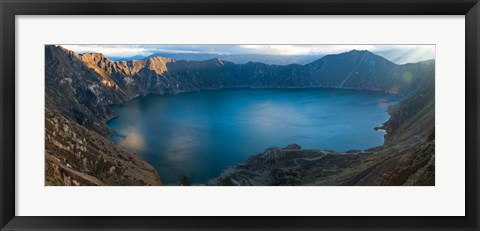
(162, 75)
(409, 55)
(237, 59)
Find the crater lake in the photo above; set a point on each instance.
(198, 134)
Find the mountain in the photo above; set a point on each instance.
(235, 58)
(79, 88)
(398, 56)
(93, 79)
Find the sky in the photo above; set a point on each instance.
(397, 52)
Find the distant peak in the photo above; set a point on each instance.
(215, 61)
(354, 54)
(360, 51)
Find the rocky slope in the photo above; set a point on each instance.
(75, 155)
(79, 88)
(411, 163)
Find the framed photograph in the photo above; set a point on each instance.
(187, 115)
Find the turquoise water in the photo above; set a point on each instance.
(199, 134)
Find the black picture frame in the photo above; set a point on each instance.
(11, 8)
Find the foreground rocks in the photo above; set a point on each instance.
(75, 155)
(403, 164)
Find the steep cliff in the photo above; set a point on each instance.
(75, 155)
(76, 95)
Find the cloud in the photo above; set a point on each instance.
(111, 50)
(396, 53)
(408, 53)
(305, 49)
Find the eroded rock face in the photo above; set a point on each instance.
(79, 88)
(285, 166)
(406, 163)
(77, 156)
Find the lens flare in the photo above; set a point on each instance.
(407, 76)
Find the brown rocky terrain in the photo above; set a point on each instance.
(76, 149)
(75, 155)
(406, 163)
(80, 87)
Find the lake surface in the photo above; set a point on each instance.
(199, 134)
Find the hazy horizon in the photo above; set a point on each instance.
(399, 54)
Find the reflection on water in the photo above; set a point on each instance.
(178, 146)
(198, 134)
(134, 141)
